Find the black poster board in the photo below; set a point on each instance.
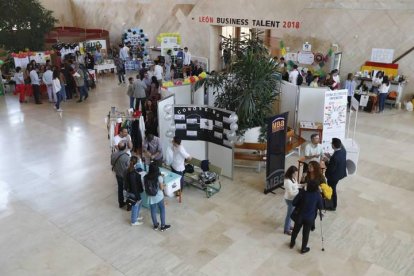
(203, 123)
(276, 143)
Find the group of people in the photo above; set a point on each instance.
(129, 168)
(62, 83)
(305, 195)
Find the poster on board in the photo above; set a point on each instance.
(334, 117)
(276, 143)
(203, 123)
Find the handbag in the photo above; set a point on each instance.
(295, 214)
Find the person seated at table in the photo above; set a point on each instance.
(313, 151)
(152, 148)
(314, 83)
(157, 200)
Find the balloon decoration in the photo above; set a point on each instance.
(189, 80)
(30, 54)
(137, 40)
(1, 62)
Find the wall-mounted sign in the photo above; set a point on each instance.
(248, 22)
(307, 47)
(306, 57)
(291, 56)
(382, 55)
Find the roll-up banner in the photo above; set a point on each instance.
(276, 143)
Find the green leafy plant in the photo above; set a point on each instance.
(23, 24)
(250, 84)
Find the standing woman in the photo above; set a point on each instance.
(56, 89)
(307, 202)
(168, 62)
(383, 92)
(157, 200)
(133, 184)
(291, 190)
(154, 94)
(350, 86)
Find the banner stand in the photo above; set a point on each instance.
(275, 159)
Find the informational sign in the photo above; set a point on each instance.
(204, 123)
(291, 56)
(40, 57)
(334, 117)
(169, 43)
(363, 101)
(382, 55)
(265, 23)
(354, 103)
(306, 47)
(306, 58)
(276, 143)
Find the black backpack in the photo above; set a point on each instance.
(151, 186)
(299, 80)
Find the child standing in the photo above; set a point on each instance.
(130, 92)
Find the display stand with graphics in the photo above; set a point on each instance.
(276, 142)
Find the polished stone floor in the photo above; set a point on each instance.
(59, 214)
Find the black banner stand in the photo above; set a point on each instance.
(276, 143)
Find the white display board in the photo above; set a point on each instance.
(169, 43)
(334, 117)
(182, 93)
(221, 157)
(163, 124)
(382, 55)
(306, 58)
(196, 149)
(199, 96)
(311, 104)
(288, 101)
(202, 62)
(40, 57)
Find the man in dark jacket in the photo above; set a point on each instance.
(336, 168)
(120, 162)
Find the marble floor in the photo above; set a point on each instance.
(59, 213)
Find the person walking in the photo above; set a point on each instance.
(291, 190)
(56, 90)
(130, 92)
(133, 185)
(120, 69)
(157, 201)
(139, 93)
(306, 203)
(336, 168)
(120, 162)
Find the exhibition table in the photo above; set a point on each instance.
(171, 181)
(104, 66)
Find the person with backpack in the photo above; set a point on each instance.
(154, 185)
(133, 186)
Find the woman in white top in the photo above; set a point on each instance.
(56, 87)
(383, 92)
(377, 81)
(291, 190)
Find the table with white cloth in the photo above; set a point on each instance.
(104, 66)
(171, 181)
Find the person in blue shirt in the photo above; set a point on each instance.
(306, 203)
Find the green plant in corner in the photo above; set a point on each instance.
(250, 85)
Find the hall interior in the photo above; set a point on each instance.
(59, 211)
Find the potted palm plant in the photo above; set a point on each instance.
(250, 83)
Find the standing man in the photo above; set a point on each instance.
(120, 162)
(152, 148)
(180, 155)
(124, 53)
(336, 168)
(120, 69)
(79, 77)
(186, 61)
(140, 94)
(47, 79)
(293, 75)
(34, 79)
(158, 72)
(124, 137)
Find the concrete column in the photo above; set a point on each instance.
(215, 54)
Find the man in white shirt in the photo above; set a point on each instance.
(313, 151)
(123, 136)
(47, 80)
(293, 75)
(124, 53)
(180, 155)
(34, 79)
(186, 61)
(158, 72)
